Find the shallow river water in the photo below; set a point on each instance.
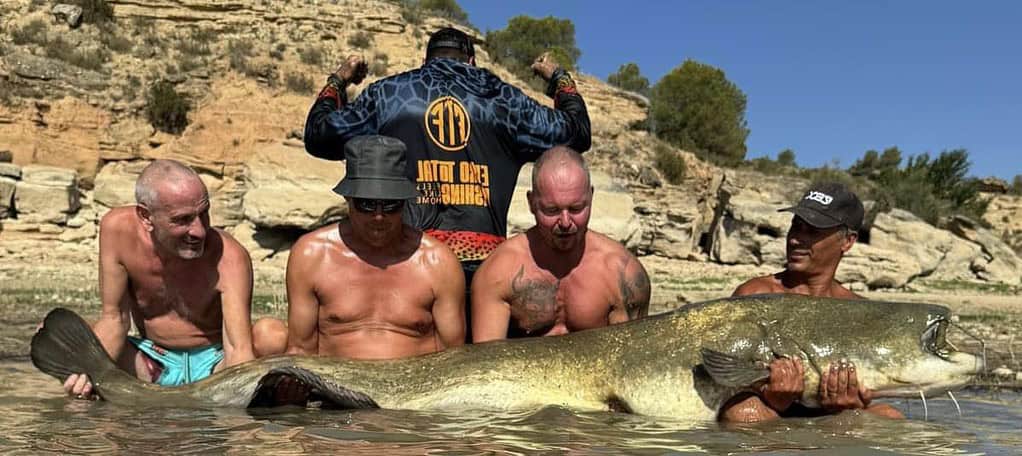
(36, 419)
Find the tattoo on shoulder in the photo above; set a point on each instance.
(533, 302)
(635, 293)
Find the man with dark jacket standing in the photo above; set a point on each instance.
(467, 134)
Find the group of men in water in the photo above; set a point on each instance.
(421, 263)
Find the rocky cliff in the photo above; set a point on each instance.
(73, 125)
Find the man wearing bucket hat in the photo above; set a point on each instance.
(824, 227)
(468, 134)
(370, 286)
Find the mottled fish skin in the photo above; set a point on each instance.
(650, 366)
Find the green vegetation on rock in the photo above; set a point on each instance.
(167, 109)
(695, 107)
(670, 164)
(628, 77)
(525, 38)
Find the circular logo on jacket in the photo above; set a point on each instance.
(448, 124)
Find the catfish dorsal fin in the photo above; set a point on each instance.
(732, 371)
(332, 395)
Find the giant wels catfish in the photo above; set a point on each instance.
(684, 364)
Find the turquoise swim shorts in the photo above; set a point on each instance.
(181, 366)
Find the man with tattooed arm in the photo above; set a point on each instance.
(558, 276)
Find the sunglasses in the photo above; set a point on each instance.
(383, 205)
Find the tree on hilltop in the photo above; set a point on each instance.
(628, 77)
(696, 108)
(525, 38)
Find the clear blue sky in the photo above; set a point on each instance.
(827, 79)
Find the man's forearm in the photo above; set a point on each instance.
(319, 137)
(112, 334)
(562, 89)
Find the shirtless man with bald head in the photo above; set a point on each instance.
(185, 285)
(558, 276)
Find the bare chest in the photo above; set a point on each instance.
(540, 302)
(400, 295)
(190, 293)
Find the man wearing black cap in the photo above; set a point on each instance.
(371, 287)
(468, 134)
(825, 225)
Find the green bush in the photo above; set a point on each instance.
(411, 13)
(95, 11)
(628, 77)
(695, 107)
(238, 53)
(786, 157)
(525, 38)
(767, 166)
(931, 189)
(166, 109)
(115, 42)
(300, 83)
(1016, 185)
(86, 58)
(277, 52)
(444, 8)
(32, 33)
(360, 40)
(197, 43)
(379, 64)
(189, 63)
(670, 164)
(311, 56)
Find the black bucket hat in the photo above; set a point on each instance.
(375, 168)
(829, 204)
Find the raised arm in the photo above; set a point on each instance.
(635, 290)
(449, 306)
(491, 310)
(236, 301)
(303, 305)
(537, 128)
(332, 121)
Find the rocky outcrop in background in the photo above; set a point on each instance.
(76, 137)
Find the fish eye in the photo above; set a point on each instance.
(934, 338)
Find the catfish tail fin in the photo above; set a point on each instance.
(66, 345)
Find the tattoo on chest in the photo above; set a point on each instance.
(533, 302)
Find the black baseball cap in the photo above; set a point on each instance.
(452, 38)
(829, 204)
(375, 169)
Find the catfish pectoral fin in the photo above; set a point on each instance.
(332, 395)
(732, 371)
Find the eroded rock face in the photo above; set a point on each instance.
(7, 186)
(939, 254)
(748, 228)
(115, 183)
(877, 268)
(46, 194)
(998, 262)
(289, 188)
(70, 14)
(1004, 214)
